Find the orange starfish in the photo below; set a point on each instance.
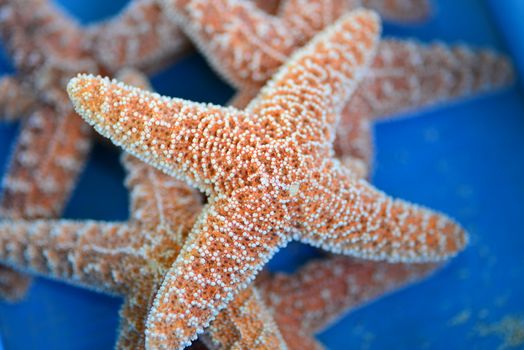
(293, 299)
(270, 176)
(246, 47)
(141, 36)
(48, 48)
(302, 306)
(131, 258)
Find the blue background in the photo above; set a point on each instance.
(465, 159)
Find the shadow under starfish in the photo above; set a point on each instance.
(269, 174)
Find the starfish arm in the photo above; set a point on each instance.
(98, 255)
(16, 100)
(346, 284)
(226, 249)
(173, 135)
(407, 75)
(401, 10)
(43, 34)
(134, 77)
(242, 98)
(140, 36)
(245, 324)
(306, 18)
(310, 90)
(354, 138)
(242, 42)
(133, 315)
(46, 162)
(13, 284)
(363, 222)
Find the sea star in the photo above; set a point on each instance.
(245, 319)
(302, 306)
(131, 258)
(246, 47)
(270, 176)
(140, 36)
(48, 48)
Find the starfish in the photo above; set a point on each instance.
(301, 306)
(129, 259)
(231, 326)
(246, 46)
(48, 48)
(143, 37)
(140, 36)
(270, 176)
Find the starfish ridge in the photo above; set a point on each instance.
(270, 176)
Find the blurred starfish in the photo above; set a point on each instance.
(302, 306)
(269, 174)
(246, 47)
(48, 48)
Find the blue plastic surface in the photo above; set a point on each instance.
(466, 160)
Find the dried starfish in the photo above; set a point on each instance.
(141, 36)
(131, 258)
(246, 46)
(48, 48)
(269, 174)
(302, 306)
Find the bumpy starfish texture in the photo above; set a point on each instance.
(48, 48)
(141, 36)
(130, 259)
(407, 76)
(15, 99)
(246, 46)
(270, 176)
(302, 306)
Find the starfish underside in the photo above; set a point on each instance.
(270, 176)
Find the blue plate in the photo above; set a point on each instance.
(465, 160)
